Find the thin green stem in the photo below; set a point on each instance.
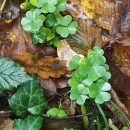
(2, 6)
(85, 118)
(118, 108)
(103, 115)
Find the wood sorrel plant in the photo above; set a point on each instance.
(45, 21)
(90, 77)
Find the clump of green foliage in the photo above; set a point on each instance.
(45, 21)
(90, 77)
(29, 97)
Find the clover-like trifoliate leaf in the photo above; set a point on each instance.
(73, 83)
(31, 122)
(97, 59)
(72, 27)
(47, 6)
(87, 82)
(96, 72)
(42, 34)
(28, 98)
(74, 63)
(61, 6)
(103, 96)
(50, 20)
(56, 112)
(63, 31)
(79, 94)
(56, 42)
(85, 67)
(65, 21)
(93, 90)
(32, 22)
(11, 74)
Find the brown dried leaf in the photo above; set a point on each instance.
(6, 124)
(64, 51)
(61, 82)
(43, 66)
(49, 87)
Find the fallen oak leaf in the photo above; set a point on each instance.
(43, 66)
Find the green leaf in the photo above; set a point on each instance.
(31, 122)
(11, 74)
(56, 112)
(93, 90)
(61, 6)
(87, 82)
(125, 128)
(33, 2)
(65, 21)
(47, 6)
(56, 42)
(85, 67)
(95, 72)
(28, 98)
(63, 31)
(79, 94)
(69, 129)
(102, 97)
(97, 59)
(50, 20)
(72, 27)
(107, 76)
(74, 63)
(73, 83)
(31, 22)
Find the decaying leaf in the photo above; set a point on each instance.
(43, 66)
(6, 124)
(49, 87)
(65, 52)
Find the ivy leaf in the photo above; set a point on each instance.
(65, 21)
(74, 63)
(79, 94)
(11, 74)
(28, 98)
(32, 22)
(56, 112)
(31, 122)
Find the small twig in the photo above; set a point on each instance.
(69, 117)
(5, 113)
(2, 6)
